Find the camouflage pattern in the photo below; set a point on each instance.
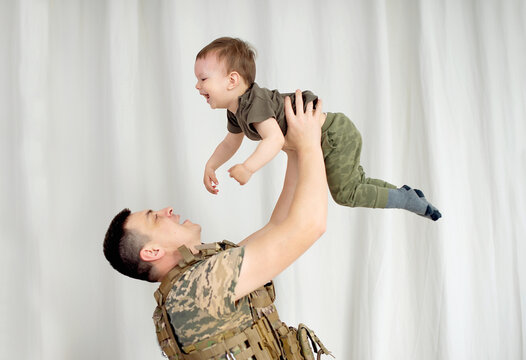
(342, 144)
(201, 303)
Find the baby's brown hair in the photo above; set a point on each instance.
(237, 55)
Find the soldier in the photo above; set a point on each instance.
(216, 302)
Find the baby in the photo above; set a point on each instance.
(225, 71)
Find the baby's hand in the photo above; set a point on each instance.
(210, 181)
(241, 173)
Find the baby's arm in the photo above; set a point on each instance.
(223, 152)
(272, 141)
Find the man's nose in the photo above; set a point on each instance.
(168, 211)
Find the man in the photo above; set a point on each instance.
(216, 296)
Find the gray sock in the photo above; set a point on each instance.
(406, 198)
(431, 212)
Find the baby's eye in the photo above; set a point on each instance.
(203, 79)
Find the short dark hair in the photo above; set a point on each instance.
(122, 248)
(237, 54)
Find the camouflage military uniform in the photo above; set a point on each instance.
(341, 144)
(196, 317)
(201, 303)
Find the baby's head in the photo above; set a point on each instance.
(224, 68)
(234, 54)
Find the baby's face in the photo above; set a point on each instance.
(212, 81)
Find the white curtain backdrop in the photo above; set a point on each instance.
(99, 112)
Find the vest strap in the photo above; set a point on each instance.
(303, 333)
(188, 260)
(257, 340)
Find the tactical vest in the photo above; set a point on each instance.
(267, 339)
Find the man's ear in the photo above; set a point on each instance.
(233, 80)
(151, 253)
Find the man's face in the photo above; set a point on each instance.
(212, 81)
(163, 228)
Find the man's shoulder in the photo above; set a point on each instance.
(209, 284)
(210, 272)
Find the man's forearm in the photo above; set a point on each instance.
(274, 247)
(308, 208)
(282, 207)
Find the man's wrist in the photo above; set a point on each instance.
(308, 151)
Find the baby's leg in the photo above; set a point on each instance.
(342, 145)
(412, 200)
(379, 183)
(432, 212)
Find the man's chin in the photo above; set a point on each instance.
(190, 224)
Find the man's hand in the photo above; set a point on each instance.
(210, 180)
(303, 127)
(240, 173)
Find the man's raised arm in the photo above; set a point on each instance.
(285, 239)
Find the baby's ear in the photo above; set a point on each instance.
(234, 79)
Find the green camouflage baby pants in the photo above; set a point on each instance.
(341, 143)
